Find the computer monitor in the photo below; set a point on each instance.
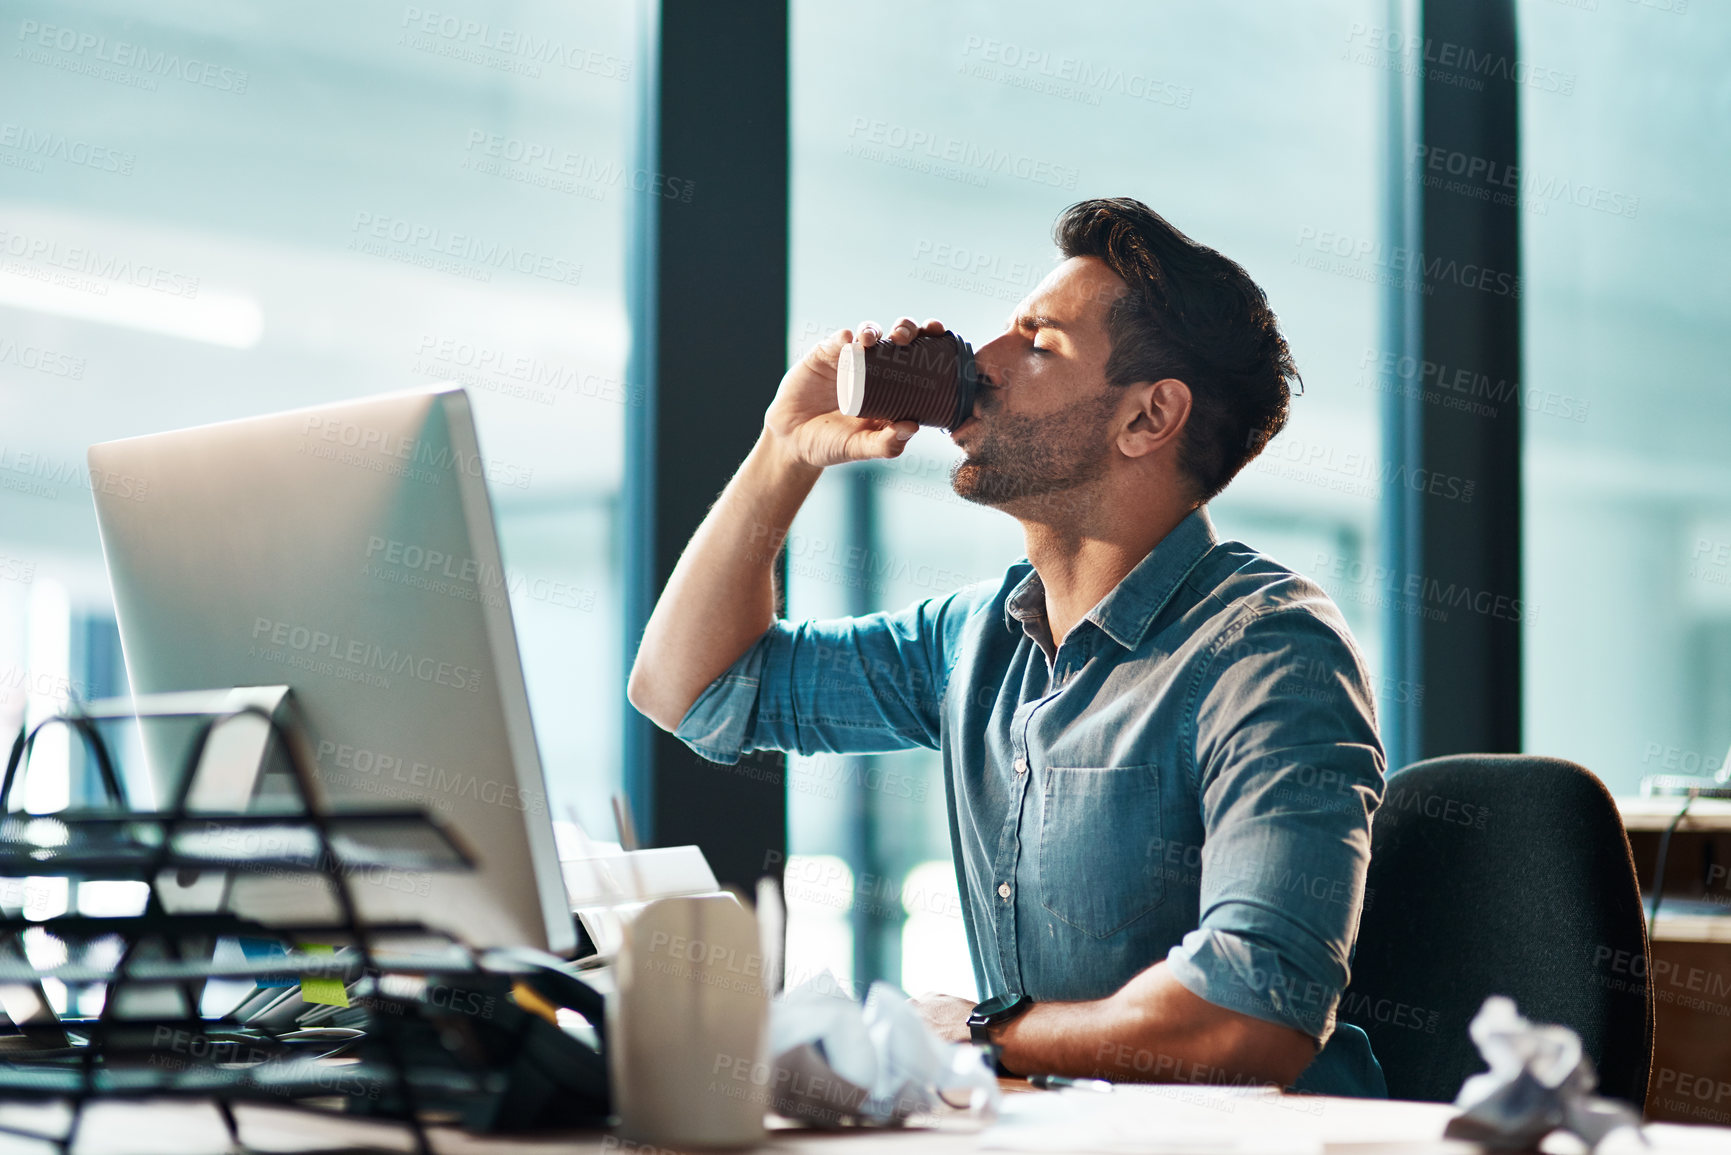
(348, 551)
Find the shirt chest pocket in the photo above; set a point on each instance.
(1099, 844)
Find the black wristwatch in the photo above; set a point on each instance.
(995, 1012)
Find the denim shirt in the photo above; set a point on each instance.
(1190, 776)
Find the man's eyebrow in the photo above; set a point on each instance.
(1037, 321)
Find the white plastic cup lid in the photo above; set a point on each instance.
(850, 376)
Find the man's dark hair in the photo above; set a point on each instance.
(1194, 315)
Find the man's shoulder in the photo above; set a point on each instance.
(1248, 591)
(985, 599)
(968, 608)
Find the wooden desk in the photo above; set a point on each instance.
(1691, 952)
(1655, 814)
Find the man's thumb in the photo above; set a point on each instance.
(895, 440)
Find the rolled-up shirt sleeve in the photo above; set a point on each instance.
(860, 685)
(1289, 771)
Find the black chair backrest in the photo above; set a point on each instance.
(1500, 875)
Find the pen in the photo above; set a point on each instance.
(1059, 1082)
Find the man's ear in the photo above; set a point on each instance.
(1156, 415)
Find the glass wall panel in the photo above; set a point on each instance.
(214, 210)
(1627, 482)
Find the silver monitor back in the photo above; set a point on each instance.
(348, 551)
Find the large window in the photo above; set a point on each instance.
(212, 211)
(932, 148)
(1627, 479)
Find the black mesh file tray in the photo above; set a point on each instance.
(149, 1039)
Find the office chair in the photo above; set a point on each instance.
(1508, 875)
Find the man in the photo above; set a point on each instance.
(1159, 749)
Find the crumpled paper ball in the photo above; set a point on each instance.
(1539, 1080)
(836, 1062)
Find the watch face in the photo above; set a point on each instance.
(996, 1008)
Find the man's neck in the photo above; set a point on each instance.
(1080, 561)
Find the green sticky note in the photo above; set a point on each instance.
(327, 992)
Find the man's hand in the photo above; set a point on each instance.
(947, 1016)
(803, 418)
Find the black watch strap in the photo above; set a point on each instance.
(994, 1012)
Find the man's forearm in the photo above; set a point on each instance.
(1153, 1030)
(721, 596)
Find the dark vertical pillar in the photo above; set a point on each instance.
(708, 289)
(1454, 438)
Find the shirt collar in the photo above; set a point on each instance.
(1126, 612)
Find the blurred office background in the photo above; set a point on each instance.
(212, 211)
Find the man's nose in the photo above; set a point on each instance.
(992, 362)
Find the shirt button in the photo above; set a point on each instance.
(1003, 890)
(1021, 765)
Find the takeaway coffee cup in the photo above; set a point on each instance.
(688, 1025)
(931, 380)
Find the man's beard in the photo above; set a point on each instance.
(1027, 464)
